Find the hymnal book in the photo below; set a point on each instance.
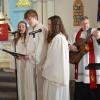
(15, 54)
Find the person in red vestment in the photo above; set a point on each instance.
(87, 82)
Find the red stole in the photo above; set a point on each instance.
(76, 65)
(92, 73)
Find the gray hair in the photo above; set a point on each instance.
(83, 18)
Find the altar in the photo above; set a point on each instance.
(5, 42)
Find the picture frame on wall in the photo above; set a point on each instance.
(78, 11)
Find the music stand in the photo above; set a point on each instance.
(33, 34)
(93, 66)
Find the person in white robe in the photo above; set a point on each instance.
(18, 64)
(56, 67)
(36, 51)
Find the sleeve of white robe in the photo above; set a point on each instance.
(56, 67)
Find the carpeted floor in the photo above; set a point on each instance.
(8, 89)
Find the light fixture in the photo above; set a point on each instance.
(24, 3)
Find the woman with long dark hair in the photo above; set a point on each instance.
(56, 66)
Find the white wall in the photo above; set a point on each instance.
(63, 8)
(6, 7)
(48, 9)
(91, 11)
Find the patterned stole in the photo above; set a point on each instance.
(76, 65)
(92, 73)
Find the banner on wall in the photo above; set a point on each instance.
(98, 16)
(3, 32)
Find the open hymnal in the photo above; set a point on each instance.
(15, 54)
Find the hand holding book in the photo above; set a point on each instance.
(25, 57)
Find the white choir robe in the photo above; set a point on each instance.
(36, 49)
(56, 70)
(20, 65)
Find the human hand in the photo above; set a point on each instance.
(96, 34)
(19, 57)
(26, 57)
(73, 48)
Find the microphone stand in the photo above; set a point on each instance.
(16, 67)
(35, 68)
(33, 33)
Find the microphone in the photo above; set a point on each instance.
(16, 31)
(34, 32)
(98, 29)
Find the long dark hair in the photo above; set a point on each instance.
(19, 34)
(56, 28)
